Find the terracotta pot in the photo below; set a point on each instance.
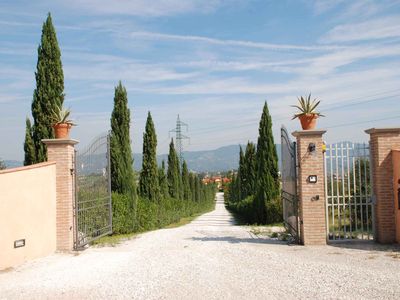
(61, 131)
(308, 121)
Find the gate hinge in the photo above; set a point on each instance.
(72, 171)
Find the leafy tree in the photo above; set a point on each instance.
(122, 175)
(197, 189)
(49, 92)
(187, 194)
(148, 184)
(267, 185)
(162, 179)
(29, 146)
(173, 173)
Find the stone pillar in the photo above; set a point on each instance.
(62, 152)
(311, 187)
(382, 141)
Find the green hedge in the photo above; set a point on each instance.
(245, 210)
(152, 215)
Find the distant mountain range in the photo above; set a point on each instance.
(222, 159)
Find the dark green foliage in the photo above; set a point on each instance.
(254, 192)
(173, 173)
(162, 179)
(249, 180)
(187, 194)
(148, 183)
(29, 146)
(49, 92)
(123, 213)
(122, 177)
(267, 185)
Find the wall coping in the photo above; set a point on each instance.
(308, 132)
(34, 166)
(60, 142)
(383, 130)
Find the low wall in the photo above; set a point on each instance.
(27, 212)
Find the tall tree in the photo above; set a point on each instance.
(267, 186)
(29, 146)
(148, 184)
(187, 195)
(49, 92)
(250, 167)
(162, 179)
(241, 175)
(173, 173)
(192, 183)
(122, 175)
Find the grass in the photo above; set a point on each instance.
(184, 221)
(113, 240)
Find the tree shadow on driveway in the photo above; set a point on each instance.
(237, 240)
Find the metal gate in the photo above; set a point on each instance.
(93, 210)
(289, 185)
(349, 207)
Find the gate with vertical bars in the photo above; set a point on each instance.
(348, 189)
(93, 210)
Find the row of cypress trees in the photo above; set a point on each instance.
(161, 197)
(254, 192)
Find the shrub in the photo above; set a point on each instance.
(123, 214)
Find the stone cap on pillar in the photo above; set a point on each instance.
(383, 130)
(60, 142)
(308, 132)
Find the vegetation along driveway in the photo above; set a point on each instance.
(209, 258)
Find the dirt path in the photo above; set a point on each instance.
(209, 258)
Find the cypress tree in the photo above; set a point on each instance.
(173, 174)
(49, 92)
(122, 175)
(186, 182)
(198, 189)
(192, 183)
(162, 179)
(267, 185)
(29, 146)
(148, 184)
(241, 176)
(250, 167)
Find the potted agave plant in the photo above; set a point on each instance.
(61, 122)
(307, 114)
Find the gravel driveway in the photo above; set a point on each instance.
(209, 258)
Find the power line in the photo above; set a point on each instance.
(179, 137)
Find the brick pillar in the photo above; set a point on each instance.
(62, 152)
(396, 191)
(311, 194)
(382, 141)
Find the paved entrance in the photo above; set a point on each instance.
(208, 259)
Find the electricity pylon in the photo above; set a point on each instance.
(179, 137)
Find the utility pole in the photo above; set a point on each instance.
(179, 137)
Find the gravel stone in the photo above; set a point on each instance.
(210, 258)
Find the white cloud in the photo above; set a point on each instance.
(145, 8)
(221, 42)
(386, 27)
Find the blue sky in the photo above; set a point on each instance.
(214, 62)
